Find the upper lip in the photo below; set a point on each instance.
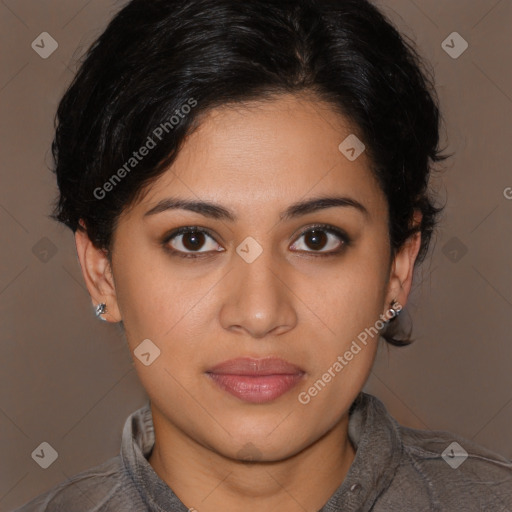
(256, 367)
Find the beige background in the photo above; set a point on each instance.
(68, 379)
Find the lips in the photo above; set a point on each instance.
(256, 380)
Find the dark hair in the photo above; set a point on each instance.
(162, 64)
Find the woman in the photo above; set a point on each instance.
(247, 185)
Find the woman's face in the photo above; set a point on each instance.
(262, 284)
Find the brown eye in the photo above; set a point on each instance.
(315, 239)
(323, 240)
(193, 241)
(189, 240)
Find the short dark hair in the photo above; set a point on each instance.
(162, 64)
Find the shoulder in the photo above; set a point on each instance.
(106, 487)
(434, 469)
(450, 471)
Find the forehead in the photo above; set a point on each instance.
(263, 152)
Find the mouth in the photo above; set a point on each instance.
(256, 380)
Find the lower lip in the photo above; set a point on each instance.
(256, 389)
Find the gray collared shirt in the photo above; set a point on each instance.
(396, 469)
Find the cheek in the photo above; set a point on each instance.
(352, 296)
(150, 302)
(342, 358)
(349, 305)
(168, 310)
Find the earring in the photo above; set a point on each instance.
(100, 310)
(395, 310)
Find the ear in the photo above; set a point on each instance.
(97, 274)
(402, 268)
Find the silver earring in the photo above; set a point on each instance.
(100, 310)
(395, 310)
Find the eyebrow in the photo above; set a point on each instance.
(216, 211)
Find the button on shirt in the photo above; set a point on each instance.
(395, 469)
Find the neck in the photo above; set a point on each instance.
(206, 481)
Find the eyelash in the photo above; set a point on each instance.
(343, 237)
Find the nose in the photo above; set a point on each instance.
(258, 301)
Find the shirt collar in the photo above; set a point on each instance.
(372, 430)
(379, 450)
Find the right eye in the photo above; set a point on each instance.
(187, 242)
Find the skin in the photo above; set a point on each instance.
(255, 160)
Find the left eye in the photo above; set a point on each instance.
(316, 239)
